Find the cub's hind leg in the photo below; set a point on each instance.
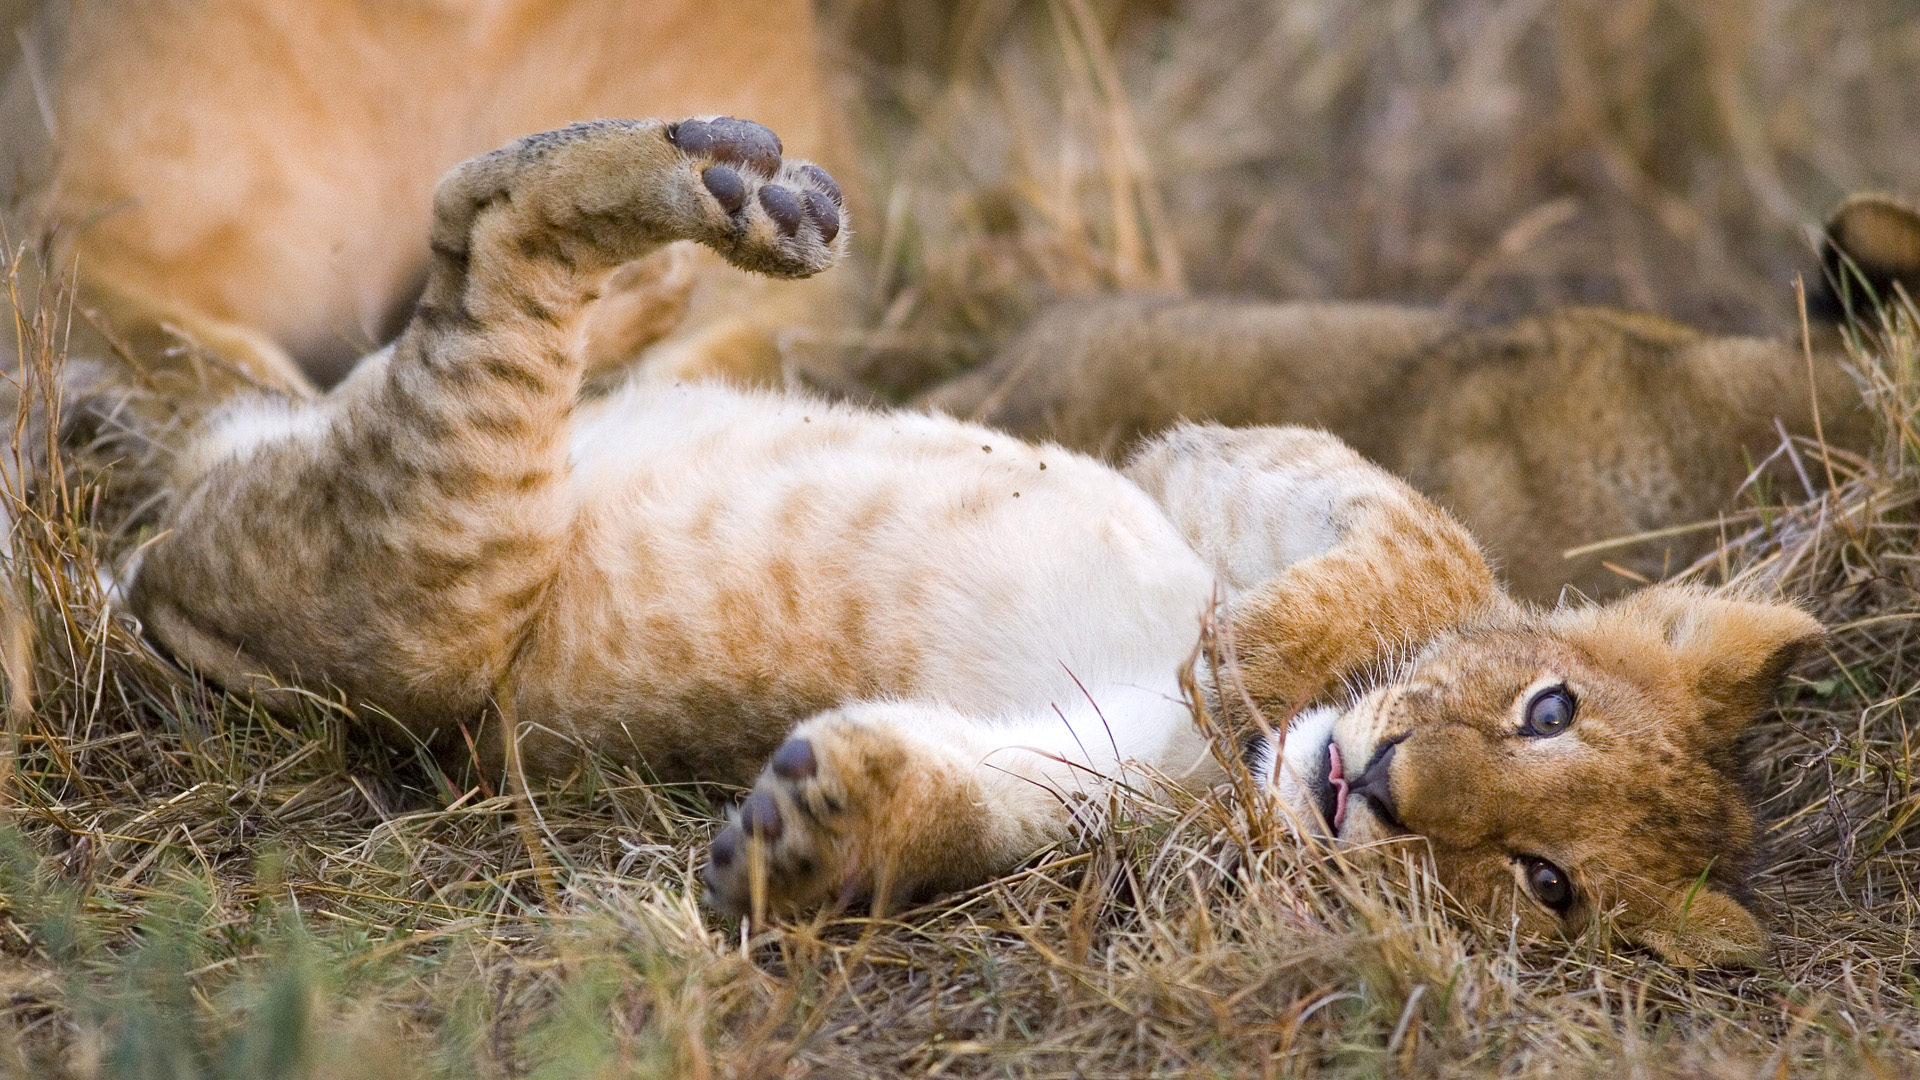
(1331, 563)
(394, 539)
(893, 800)
(883, 800)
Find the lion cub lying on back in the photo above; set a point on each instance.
(934, 635)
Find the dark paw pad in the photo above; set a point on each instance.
(736, 142)
(724, 847)
(760, 815)
(727, 187)
(825, 217)
(783, 207)
(822, 180)
(795, 760)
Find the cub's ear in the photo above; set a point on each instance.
(1872, 243)
(1704, 928)
(1733, 652)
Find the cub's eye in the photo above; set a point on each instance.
(1549, 883)
(1548, 713)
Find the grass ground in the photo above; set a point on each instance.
(193, 888)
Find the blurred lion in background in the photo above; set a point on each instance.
(243, 185)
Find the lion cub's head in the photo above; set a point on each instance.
(1573, 762)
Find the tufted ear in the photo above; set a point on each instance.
(1704, 928)
(1872, 244)
(1733, 652)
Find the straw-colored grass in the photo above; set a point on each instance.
(191, 887)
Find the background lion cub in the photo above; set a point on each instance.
(943, 637)
(1544, 433)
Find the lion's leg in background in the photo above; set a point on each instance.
(1100, 374)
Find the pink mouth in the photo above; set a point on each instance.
(1337, 776)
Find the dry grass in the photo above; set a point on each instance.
(190, 887)
(1498, 155)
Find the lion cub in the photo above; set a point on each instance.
(1544, 433)
(937, 637)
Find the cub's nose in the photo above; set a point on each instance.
(1373, 783)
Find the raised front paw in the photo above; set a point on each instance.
(851, 805)
(786, 217)
(591, 196)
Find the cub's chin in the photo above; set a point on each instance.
(1314, 776)
(1302, 773)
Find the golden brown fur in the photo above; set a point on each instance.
(1643, 807)
(251, 179)
(1544, 433)
(1642, 803)
(412, 539)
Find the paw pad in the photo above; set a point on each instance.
(796, 819)
(726, 186)
(795, 760)
(725, 139)
(783, 207)
(725, 846)
(822, 211)
(761, 816)
(823, 180)
(773, 216)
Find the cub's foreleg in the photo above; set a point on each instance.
(1331, 563)
(395, 539)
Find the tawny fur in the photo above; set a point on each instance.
(1545, 433)
(945, 637)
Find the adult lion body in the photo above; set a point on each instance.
(253, 177)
